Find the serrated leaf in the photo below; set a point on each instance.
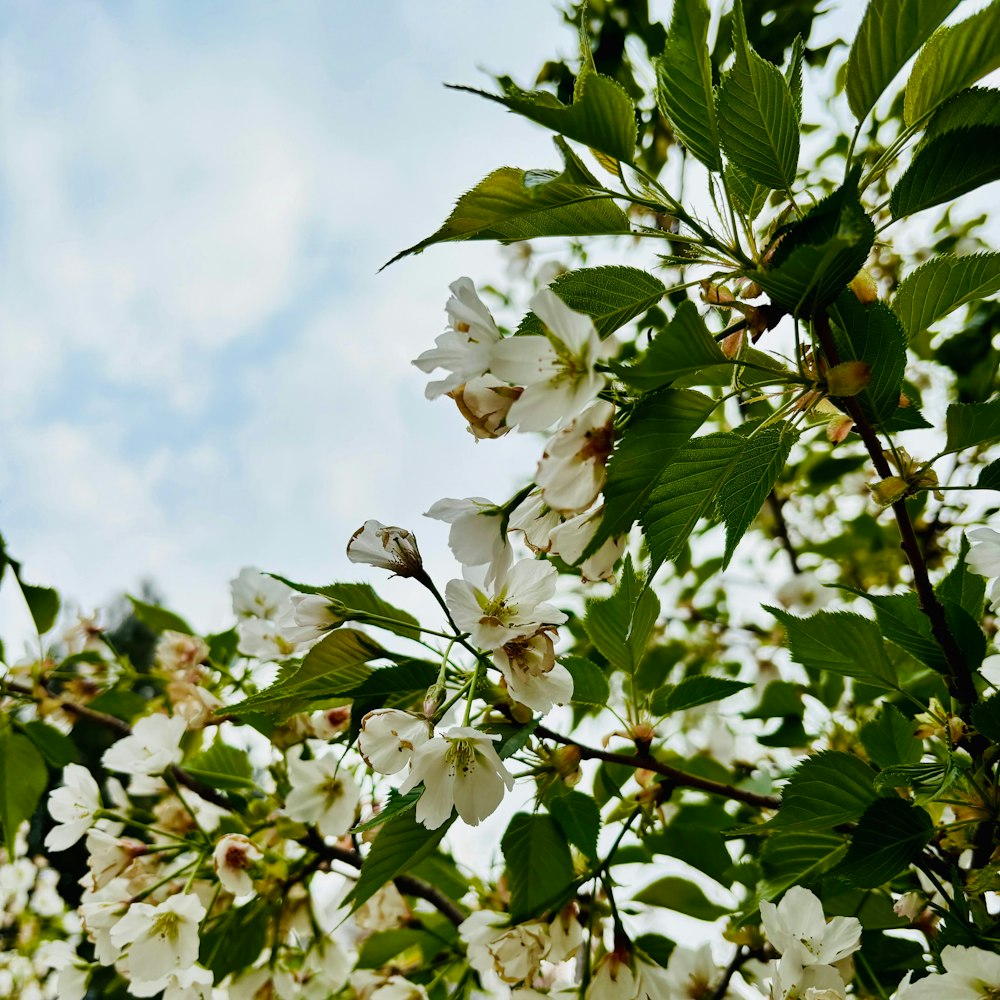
(872, 334)
(692, 691)
(23, 777)
(222, 766)
(334, 667)
(579, 819)
(539, 866)
(511, 204)
(986, 718)
(789, 859)
(963, 587)
(590, 686)
(43, 604)
(891, 31)
(756, 112)
(395, 803)
(601, 116)
(682, 347)
(889, 739)
(620, 625)
(159, 619)
(750, 481)
(679, 894)
(684, 90)
(902, 622)
(793, 76)
(954, 58)
(989, 478)
(398, 685)
(949, 166)
(400, 844)
(942, 285)
(889, 836)
(234, 940)
(927, 780)
(611, 296)
(659, 427)
(818, 255)
(695, 836)
(839, 641)
(970, 424)
(749, 196)
(975, 106)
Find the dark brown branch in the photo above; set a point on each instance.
(677, 778)
(959, 679)
(774, 505)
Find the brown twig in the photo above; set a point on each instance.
(774, 505)
(678, 778)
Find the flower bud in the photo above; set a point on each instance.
(848, 378)
(864, 286)
(387, 548)
(838, 429)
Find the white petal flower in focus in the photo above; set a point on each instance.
(572, 469)
(797, 928)
(557, 370)
(389, 737)
(515, 605)
(477, 536)
(459, 769)
(570, 540)
(391, 548)
(465, 349)
(984, 558)
(311, 616)
(73, 805)
(537, 520)
(322, 793)
(533, 677)
(234, 854)
(160, 939)
(970, 974)
(485, 403)
(153, 746)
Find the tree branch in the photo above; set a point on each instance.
(677, 778)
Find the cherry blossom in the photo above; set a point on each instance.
(74, 807)
(969, 974)
(477, 536)
(386, 548)
(572, 469)
(323, 793)
(389, 737)
(153, 746)
(797, 928)
(232, 858)
(533, 677)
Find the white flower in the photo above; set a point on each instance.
(570, 540)
(161, 939)
(322, 793)
(465, 348)
(533, 677)
(515, 605)
(100, 911)
(970, 974)
(387, 548)
(194, 983)
(804, 592)
(386, 910)
(537, 520)
(478, 931)
(152, 748)
(613, 979)
(193, 703)
(485, 403)
(518, 952)
(791, 980)
(233, 855)
(311, 616)
(572, 469)
(459, 769)
(257, 595)
(388, 738)
(369, 985)
(73, 806)
(71, 983)
(477, 536)
(797, 928)
(179, 651)
(984, 558)
(691, 971)
(264, 640)
(322, 974)
(557, 370)
(108, 856)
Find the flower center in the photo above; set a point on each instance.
(461, 756)
(166, 926)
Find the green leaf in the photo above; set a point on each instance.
(539, 866)
(23, 778)
(976, 106)
(382, 947)
(395, 803)
(510, 205)
(757, 121)
(751, 480)
(793, 76)
(695, 836)
(686, 491)
(942, 285)
(601, 116)
(954, 58)
(949, 166)
(683, 347)
(890, 835)
(579, 819)
(400, 844)
(789, 859)
(841, 642)
(750, 197)
(620, 625)
(58, 749)
(963, 587)
(692, 691)
(222, 766)
(590, 686)
(674, 893)
(43, 603)
(684, 90)
(891, 31)
(398, 685)
(659, 427)
(971, 424)
(825, 790)
(989, 478)
(234, 940)
(334, 667)
(986, 718)
(159, 619)
(902, 622)
(889, 738)
(818, 255)
(611, 296)
(873, 334)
